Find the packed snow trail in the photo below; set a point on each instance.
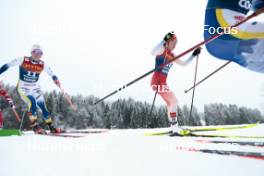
(125, 152)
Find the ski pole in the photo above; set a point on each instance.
(16, 115)
(177, 57)
(195, 85)
(21, 123)
(153, 103)
(68, 98)
(194, 82)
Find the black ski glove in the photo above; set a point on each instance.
(197, 51)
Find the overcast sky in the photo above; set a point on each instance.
(97, 46)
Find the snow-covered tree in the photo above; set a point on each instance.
(125, 113)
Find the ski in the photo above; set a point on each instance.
(202, 129)
(222, 136)
(62, 135)
(186, 133)
(75, 133)
(242, 143)
(162, 133)
(90, 131)
(252, 155)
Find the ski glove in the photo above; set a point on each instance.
(197, 51)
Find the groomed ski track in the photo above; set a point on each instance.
(129, 153)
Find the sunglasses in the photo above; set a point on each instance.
(38, 52)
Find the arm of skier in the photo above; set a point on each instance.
(10, 101)
(52, 75)
(15, 62)
(57, 82)
(195, 53)
(7, 97)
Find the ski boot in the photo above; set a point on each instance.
(52, 129)
(36, 128)
(175, 129)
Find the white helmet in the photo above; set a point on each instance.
(36, 47)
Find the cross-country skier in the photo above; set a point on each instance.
(28, 88)
(163, 53)
(4, 94)
(243, 44)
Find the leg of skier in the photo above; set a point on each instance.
(46, 115)
(28, 97)
(32, 113)
(159, 84)
(171, 101)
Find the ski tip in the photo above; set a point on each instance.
(157, 133)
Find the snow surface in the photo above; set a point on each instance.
(124, 153)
